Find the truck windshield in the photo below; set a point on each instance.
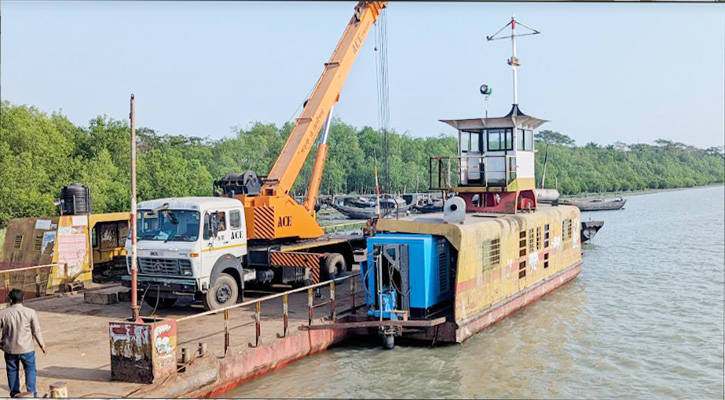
(168, 225)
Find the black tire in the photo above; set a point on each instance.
(333, 266)
(163, 303)
(223, 293)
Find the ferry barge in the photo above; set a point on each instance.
(494, 249)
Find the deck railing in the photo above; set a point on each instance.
(331, 304)
(451, 171)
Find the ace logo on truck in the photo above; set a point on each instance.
(284, 221)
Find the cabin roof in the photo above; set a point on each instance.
(515, 118)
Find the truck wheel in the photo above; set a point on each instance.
(163, 303)
(333, 266)
(222, 294)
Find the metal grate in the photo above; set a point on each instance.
(18, 242)
(443, 270)
(162, 266)
(491, 253)
(38, 243)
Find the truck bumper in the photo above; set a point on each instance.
(164, 284)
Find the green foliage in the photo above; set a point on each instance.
(40, 153)
(622, 167)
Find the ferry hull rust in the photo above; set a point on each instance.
(223, 374)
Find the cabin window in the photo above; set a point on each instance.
(499, 139)
(470, 141)
(522, 269)
(525, 139)
(566, 230)
(38, 242)
(475, 142)
(532, 243)
(538, 238)
(235, 220)
(222, 220)
(546, 236)
(18, 242)
(522, 243)
(491, 253)
(465, 141)
(546, 260)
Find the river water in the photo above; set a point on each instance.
(644, 319)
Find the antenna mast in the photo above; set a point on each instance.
(513, 61)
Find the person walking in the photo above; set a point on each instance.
(19, 325)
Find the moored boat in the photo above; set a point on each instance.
(596, 204)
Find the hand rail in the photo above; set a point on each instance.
(285, 309)
(443, 170)
(6, 273)
(265, 298)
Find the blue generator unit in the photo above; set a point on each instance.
(417, 270)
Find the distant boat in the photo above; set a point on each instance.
(596, 204)
(429, 206)
(388, 207)
(589, 229)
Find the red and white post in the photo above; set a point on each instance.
(135, 309)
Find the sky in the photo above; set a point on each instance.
(599, 72)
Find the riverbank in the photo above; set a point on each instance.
(590, 195)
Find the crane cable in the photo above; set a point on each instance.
(381, 73)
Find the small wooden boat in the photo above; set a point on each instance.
(596, 204)
(388, 208)
(589, 229)
(429, 206)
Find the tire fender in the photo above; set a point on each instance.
(227, 261)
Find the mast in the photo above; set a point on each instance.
(513, 61)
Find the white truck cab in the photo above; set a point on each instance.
(191, 245)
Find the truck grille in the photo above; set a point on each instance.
(162, 266)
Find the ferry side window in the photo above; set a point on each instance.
(519, 139)
(465, 141)
(235, 220)
(509, 139)
(475, 144)
(529, 140)
(494, 140)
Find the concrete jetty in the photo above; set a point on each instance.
(77, 337)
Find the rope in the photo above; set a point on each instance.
(381, 73)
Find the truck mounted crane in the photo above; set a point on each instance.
(253, 230)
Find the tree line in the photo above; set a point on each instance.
(40, 153)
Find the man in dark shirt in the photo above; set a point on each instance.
(19, 325)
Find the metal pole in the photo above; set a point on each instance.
(226, 332)
(135, 309)
(310, 302)
(514, 61)
(333, 315)
(285, 309)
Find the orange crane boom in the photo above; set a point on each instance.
(273, 213)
